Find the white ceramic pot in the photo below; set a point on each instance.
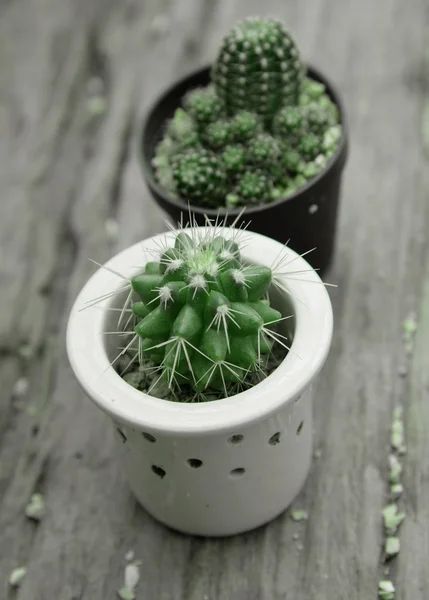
(216, 468)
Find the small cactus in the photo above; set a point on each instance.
(263, 150)
(180, 126)
(203, 316)
(313, 89)
(331, 139)
(234, 159)
(218, 134)
(309, 146)
(288, 122)
(253, 187)
(258, 68)
(203, 105)
(316, 117)
(257, 133)
(245, 125)
(199, 176)
(290, 160)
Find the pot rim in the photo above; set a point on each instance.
(337, 160)
(91, 365)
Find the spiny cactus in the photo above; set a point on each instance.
(309, 146)
(258, 68)
(290, 160)
(316, 118)
(331, 139)
(263, 150)
(253, 187)
(288, 122)
(245, 125)
(259, 130)
(234, 159)
(218, 134)
(203, 105)
(180, 126)
(199, 176)
(203, 316)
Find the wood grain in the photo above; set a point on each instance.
(64, 172)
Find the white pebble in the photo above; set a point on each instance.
(21, 387)
(132, 576)
(16, 577)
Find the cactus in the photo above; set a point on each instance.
(234, 159)
(203, 105)
(218, 134)
(258, 68)
(290, 160)
(331, 139)
(317, 118)
(263, 150)
(288, 122)
(199, 176)
(257, 133)
(309, 146)
(245, 125)
(203, 317)
(180, 126)
(253, 187)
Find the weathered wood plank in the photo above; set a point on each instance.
(58, 162)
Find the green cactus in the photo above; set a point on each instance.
(258, 68)
(316, 117)
(309, 146)
(203, 105)
(288, 123)
(218, 134)
(313, 89)
(234, 159)
(330, 139)
(258, 132)
(290, 160)
(253, 187)
(180, 126)
(263, 150)
(202, 314)
(199, 176)
(245, 126)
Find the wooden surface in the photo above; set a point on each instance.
(64, 173)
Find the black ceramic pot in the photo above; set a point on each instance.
(307, 218)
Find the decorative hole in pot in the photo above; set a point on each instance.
(238, 472)
(235, 439)
(256, 129)
(217, 383)
(159, 471)
(274, 439)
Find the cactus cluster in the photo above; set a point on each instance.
(257, 133)
(203, 319)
